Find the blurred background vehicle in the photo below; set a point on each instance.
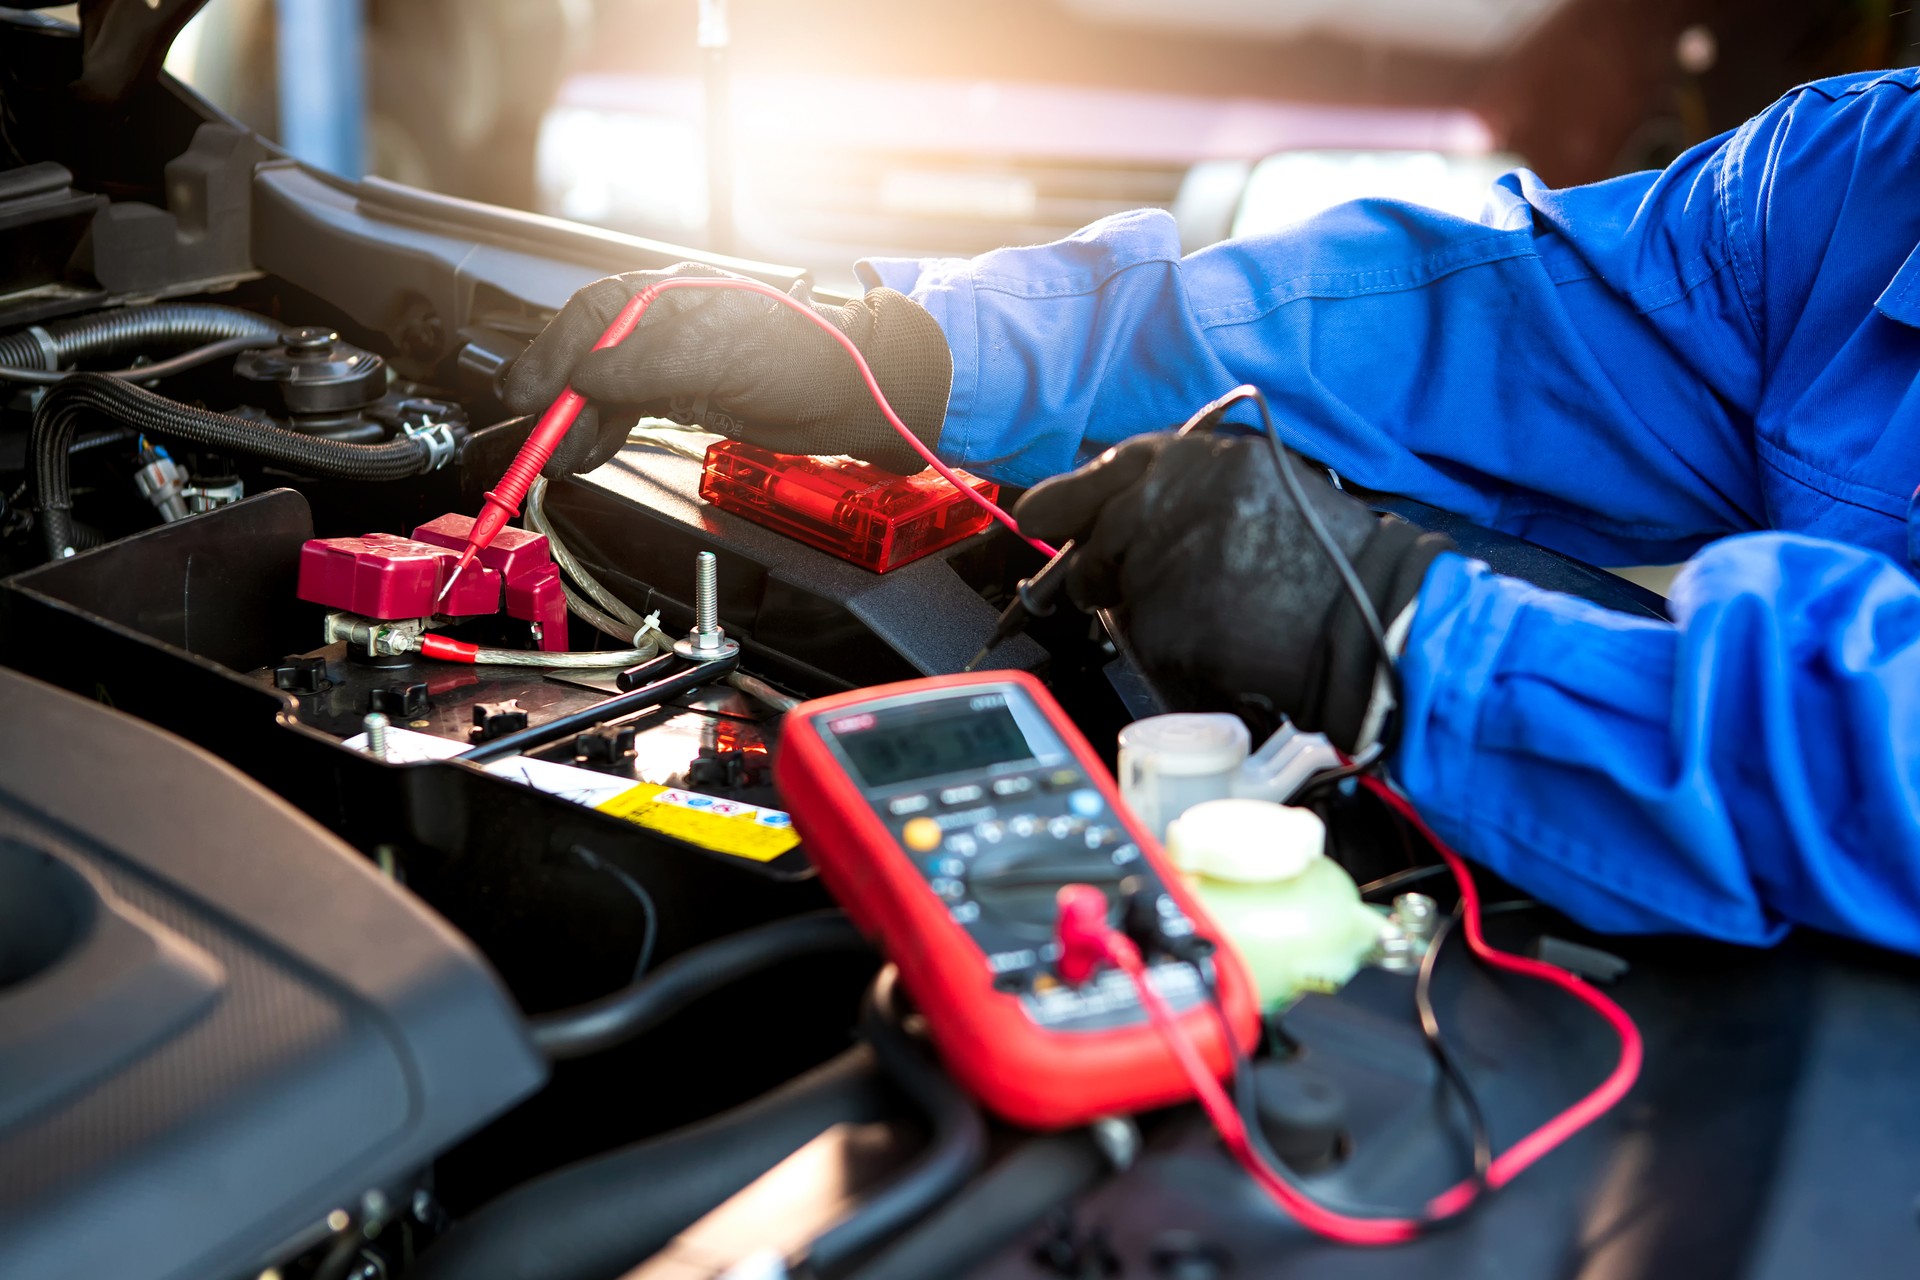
(856, 127)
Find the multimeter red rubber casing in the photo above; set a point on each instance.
(1019, 804)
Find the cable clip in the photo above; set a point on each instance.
(439, 439)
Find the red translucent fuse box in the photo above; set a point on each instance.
(855, 510)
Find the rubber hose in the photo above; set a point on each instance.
(596, 1219)
(633, 1010)
(182, 323)
(995, 1210)
(958, 1146)
(83, 396)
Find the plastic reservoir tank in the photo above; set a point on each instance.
(1168, 764)
(1261, 871)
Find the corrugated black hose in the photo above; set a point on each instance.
(108, 401)
(953, 1155)
(692, 975)
(42, 349)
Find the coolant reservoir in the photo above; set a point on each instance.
(1262, 873)
(1168, 764)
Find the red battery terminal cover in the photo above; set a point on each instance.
(856, 511)
(387, 577)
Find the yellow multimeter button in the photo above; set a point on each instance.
(921, 835)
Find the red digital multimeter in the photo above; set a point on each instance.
(944, 814)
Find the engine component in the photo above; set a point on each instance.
(319, 384)
(1293, 913)
(1170, 763)
(859, 512)
(947, 815)
(49, 348)
(206, 992)
(90, 395)
(163, 482)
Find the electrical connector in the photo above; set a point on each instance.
(163, 482)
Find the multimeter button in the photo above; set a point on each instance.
(1014, 981)
(963, 844)
(901, 806)
(990, 832)
(961, 795)
(1015, 786)
(922, 835)
(1097, 836)
(1061, 780)
(1062, 827)
(1024, 825)
(1086, 802)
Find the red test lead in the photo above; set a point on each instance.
(503, 502)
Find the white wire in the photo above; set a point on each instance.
(665, 433)
(588, 660)
(570, 566)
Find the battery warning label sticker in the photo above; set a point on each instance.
(725, 826)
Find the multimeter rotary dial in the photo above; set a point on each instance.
(1016, 887)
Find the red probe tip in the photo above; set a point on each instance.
(466, 558)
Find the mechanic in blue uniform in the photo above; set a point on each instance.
(1720, 361)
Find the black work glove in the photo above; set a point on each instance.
(741, 365)
(1219, 583)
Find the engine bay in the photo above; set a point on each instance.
(358, 921)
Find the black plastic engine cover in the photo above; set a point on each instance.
(223, 1023)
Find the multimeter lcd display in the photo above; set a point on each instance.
(971, 739)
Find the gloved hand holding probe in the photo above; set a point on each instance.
(1218, 583)
(740, 365)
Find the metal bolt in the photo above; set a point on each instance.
(1118, 1138)
(1396, 953)
(707, 641)
(376, 726)
(706, 593)
(1418, 915)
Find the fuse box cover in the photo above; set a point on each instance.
(855, 510)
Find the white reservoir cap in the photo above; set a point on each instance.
(1186, 745)
(1246, 841)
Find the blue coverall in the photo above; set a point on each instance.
(1717, 359)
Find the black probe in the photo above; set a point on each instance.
(1033, 597)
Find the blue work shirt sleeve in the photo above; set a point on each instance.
(1749, 767)
(1581, 367)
